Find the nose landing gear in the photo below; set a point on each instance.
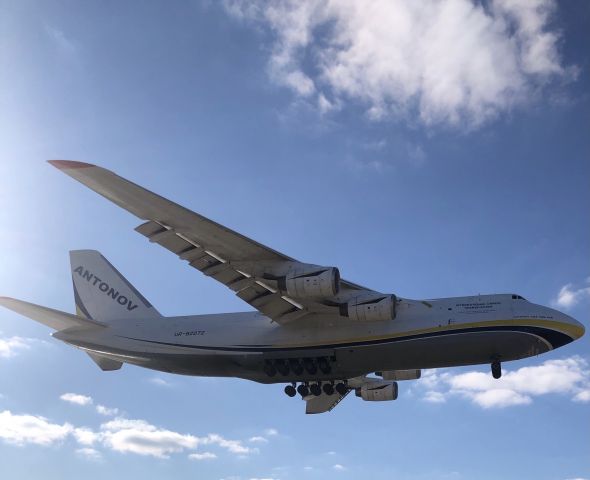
(496, 369)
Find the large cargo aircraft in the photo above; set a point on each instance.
(321, 335)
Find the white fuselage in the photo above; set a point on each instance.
(425, 334)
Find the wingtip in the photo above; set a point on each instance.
(69, 164)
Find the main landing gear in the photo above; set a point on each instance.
(496, 369)
(316, 388)
(285, 366)
(290, 390)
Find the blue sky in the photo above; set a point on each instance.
(430, 150)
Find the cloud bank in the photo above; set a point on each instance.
(568, 376)
(450, 62)
(120, 434)
(569, 296)
(11, 346)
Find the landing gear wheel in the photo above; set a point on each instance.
(324, 366)
(341, 388)
(315, 389)
(328, 389)
(303, 390)
(290, 390)
(296, 367)
(283, 368)
(310, 366)
(270, 370)
(496, 369)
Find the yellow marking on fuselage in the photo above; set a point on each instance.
(571, 330)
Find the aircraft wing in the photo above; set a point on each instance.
(238, 262)
(323, 403)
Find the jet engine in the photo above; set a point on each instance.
(400, 374)
(377, 391)
(318, 282)
(370, 309)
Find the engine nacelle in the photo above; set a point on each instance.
(370, 309)
(400, 374)
(320, 282)
(377, 391)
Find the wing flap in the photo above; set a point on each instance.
(254, 292)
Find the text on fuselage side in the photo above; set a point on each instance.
(105, 288)
(190, 333)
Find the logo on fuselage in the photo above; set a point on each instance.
(105, 288)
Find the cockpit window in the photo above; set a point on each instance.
(517, 297)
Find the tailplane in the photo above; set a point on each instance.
(102, 293)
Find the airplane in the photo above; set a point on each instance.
(320, 334)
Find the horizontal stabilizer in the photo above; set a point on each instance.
(55, 319)
(106, 364)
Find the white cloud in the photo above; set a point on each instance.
(452, 62)
(569, 376)
(76, 399)
(233, 446)
(433, 396)
(106, 411)
(142, 438)
(89, 453)
(85, 436)
(202, 456)
(160, 382)
(24, 429)
(119, 434)
(339, 467)
(258, 439)
(569, 296)
(11, 346)
(270, 432)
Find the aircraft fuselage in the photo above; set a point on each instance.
(425, 334)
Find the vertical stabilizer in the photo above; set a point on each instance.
(102, 293)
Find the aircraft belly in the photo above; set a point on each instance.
(445, 351)
(435, 352)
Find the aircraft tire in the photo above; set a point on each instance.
(303, 390)
(341, 388)
(315, 389)
(290, 390)
(496, 369)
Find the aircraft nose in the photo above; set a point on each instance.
(577, 328)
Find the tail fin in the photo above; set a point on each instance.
(102, 293)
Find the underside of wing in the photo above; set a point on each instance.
(278, 286)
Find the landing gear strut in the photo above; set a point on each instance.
(496, 369)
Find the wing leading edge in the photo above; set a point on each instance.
(238, 262)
